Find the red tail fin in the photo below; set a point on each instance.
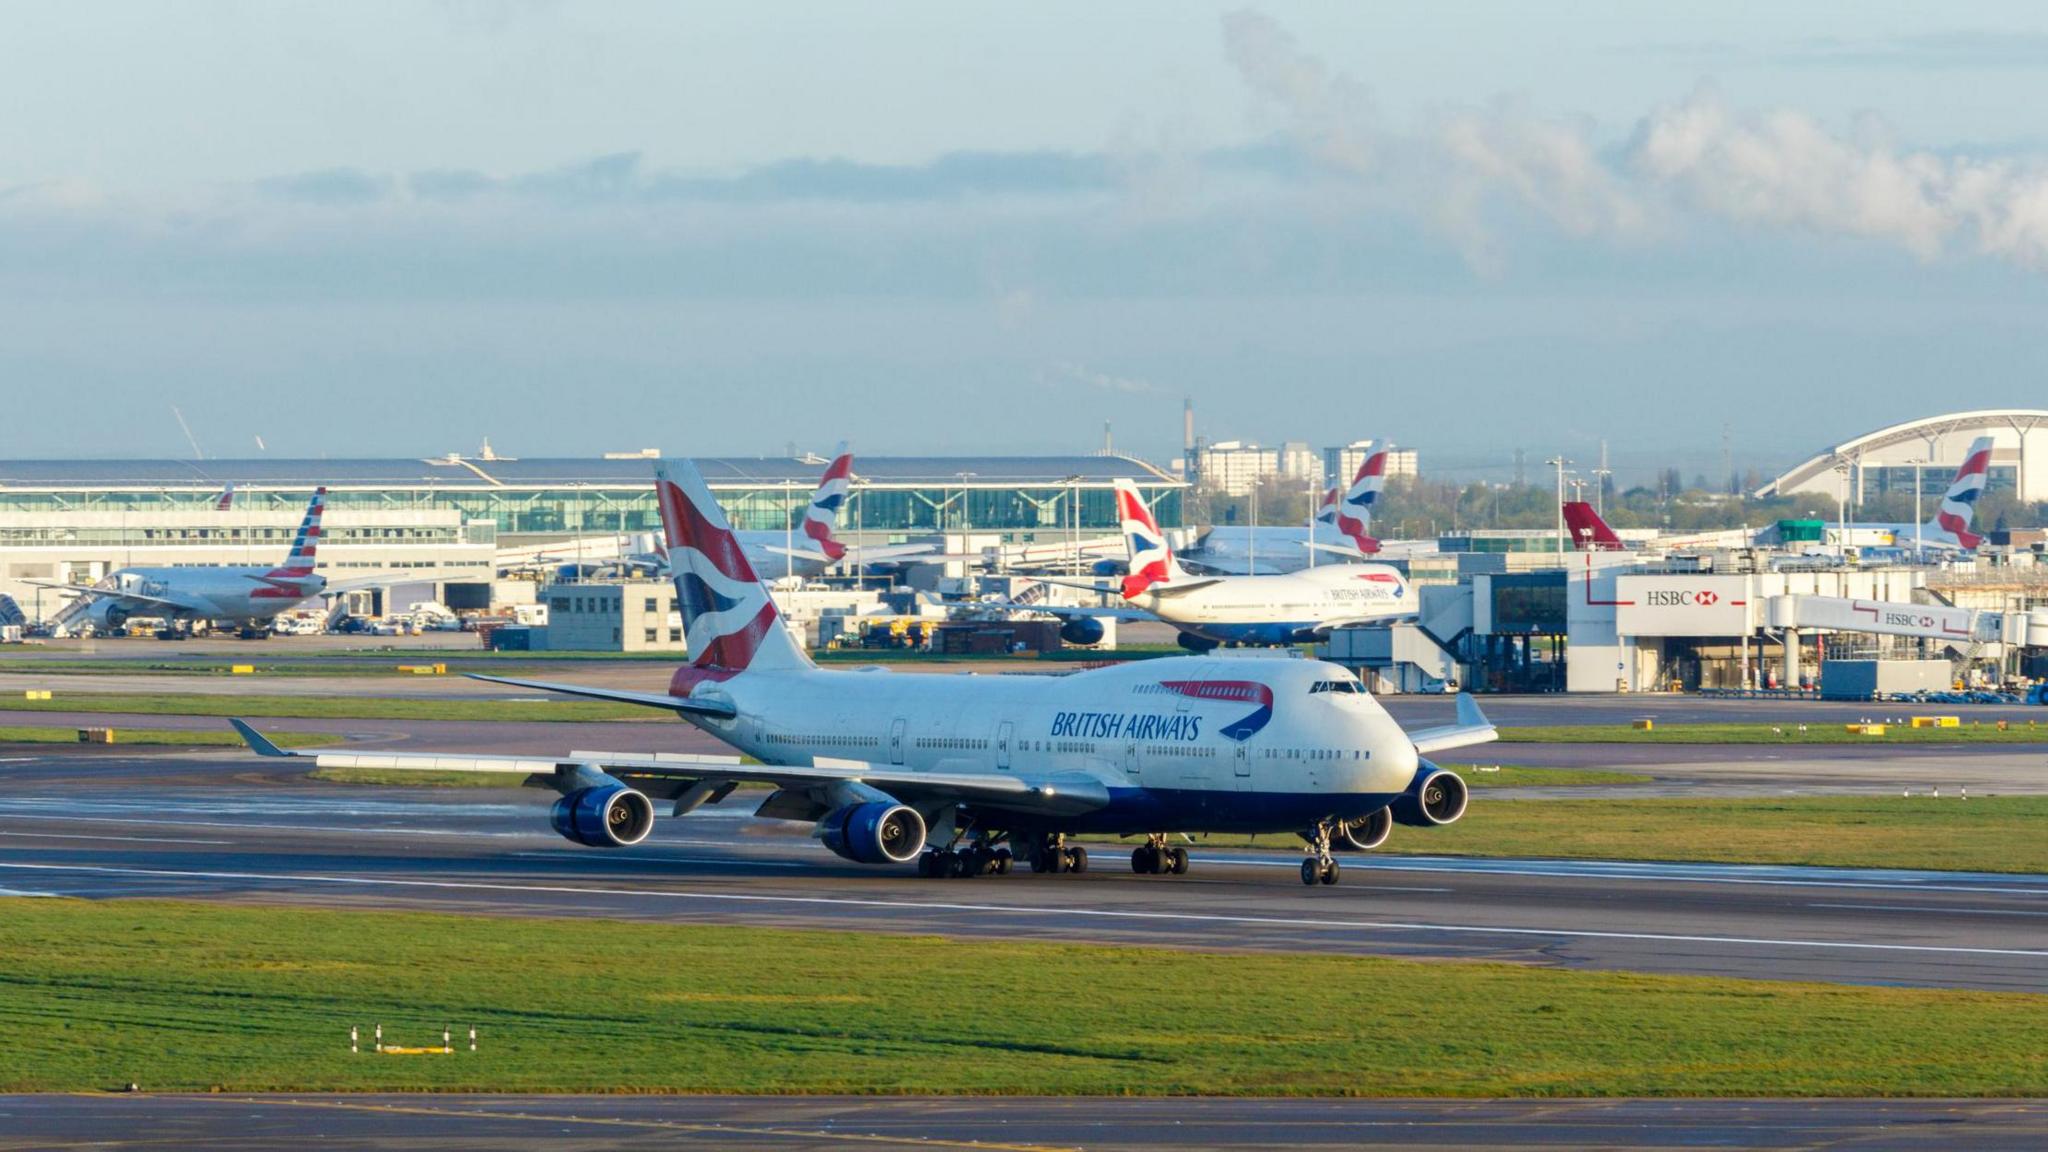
(1589, 532)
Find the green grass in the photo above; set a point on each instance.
(187, 997)
(1680, 732)
(331, 707)
(125, 737)
(404, 778)
(1985, 834)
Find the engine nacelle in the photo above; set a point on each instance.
(1109, 568)
(1194, 643)
(1434, 798)
(1083, 630)
(610, 816)
(878, 832)
(1367, 832)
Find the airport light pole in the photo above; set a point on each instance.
(1558, 462)
(1919, 546)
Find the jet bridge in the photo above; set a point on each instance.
(1969, 629)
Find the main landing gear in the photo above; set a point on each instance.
(1051, 854)
(1320, 867)
(1155, 858)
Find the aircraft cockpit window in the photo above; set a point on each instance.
(1335, 686)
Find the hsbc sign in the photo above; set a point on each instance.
(1682, 605)
(1681, 598)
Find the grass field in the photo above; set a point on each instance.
(401, 778)
(154, 737)
(187, 997)
(1682, 732)
(332, 707)
(1985, 834)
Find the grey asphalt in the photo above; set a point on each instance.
(576, 1123)
(219, 828)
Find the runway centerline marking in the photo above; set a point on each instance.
(1027, 910)
(1933, 908)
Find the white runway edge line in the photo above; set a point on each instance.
(1020, 910)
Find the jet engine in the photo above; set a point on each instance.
(609, 816)
(1109, 568)
(1194, 643)
(1434, 797)
(1367, 832)
(1083, 630)
(878, 832)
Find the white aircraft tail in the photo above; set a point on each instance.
(729, 619)
(1355, 509)
(821, 520)
(1951, 525)
(1150, 558)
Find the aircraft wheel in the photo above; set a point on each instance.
(1311, 872)
(1077, 860)
(1179, 866)
(1056, 860)
(1141, 860)
(1003, 861)
(1330, 872)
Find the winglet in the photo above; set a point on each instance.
(1469, 715)
(257, 741)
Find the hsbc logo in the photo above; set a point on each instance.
(1682, 598)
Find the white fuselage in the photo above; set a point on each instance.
(234, 594)
(1284, 608)
(1182, 742)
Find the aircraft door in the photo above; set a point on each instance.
(1131, 760)
(1003, 733)
(1241, 765)
(896, 740)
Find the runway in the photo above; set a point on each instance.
(189, 829)
(1004, 1124)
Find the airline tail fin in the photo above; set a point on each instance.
(728, 618)
(1326, 514)
(1354, 510)
(306, 544)
(1150, 559)
(1951, 524)
(1589, 532)
(822, 518)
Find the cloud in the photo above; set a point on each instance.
(1786, 170)
(1327, 112)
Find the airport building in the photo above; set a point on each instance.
(447, 518)
(1928, 450)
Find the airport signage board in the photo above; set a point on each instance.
(1682, 605)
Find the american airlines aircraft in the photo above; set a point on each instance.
(963, 773)
(247, 596)
(1285, 608)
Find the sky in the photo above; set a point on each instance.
(396, 229)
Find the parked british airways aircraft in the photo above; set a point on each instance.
(1285, 608)
(960, 772)
(812, 545)
(243, 595)
(1251, 549)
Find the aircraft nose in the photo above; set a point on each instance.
(1392, 765)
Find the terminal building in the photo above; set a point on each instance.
(1928, 450)
(453, 519)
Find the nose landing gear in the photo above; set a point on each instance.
(1320, 867)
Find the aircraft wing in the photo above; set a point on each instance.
(391, 579)
(676, 704)
(676, 776)
(1063, 611)
(1472, 728)
(113, 593)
